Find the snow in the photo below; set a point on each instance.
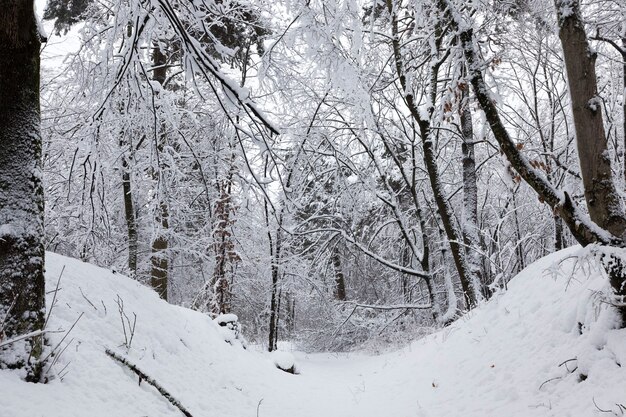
(284, 360)
(595, 103)
(544, 348)
(222, 319)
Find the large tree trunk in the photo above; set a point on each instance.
(590, 139)
(159, 258)
(22, 296)
(603, 201)
(582, 229)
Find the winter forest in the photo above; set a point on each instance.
(411, 207)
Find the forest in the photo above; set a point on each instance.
(328, 175)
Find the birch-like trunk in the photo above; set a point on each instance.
(469, 224)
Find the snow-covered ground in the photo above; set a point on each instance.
(521, 354)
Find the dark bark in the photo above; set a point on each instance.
(160, 244)
(559, 239)
(603, 201)
(275, 246)
(224, 248)
(340, 283)
(471, 293)
(22, 296)
(129, 215)
(607, 223)
(580, 226)
(623, 53)
(272, 337)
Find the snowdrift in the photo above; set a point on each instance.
(544, 348)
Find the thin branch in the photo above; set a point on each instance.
(143, 376)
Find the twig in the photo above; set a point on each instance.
(22, 337)
(143, 376)
(566, 362)
(61, 341)
(391, 307)
(258, 406)
(131, 327)
(87, 299)
(599, 409)
(56, 357)
(54, 297)
(549, 380)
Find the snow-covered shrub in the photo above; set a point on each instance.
(285, 361)
(230, 328)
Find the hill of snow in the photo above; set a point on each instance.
(544, 348)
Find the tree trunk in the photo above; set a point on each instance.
(159, 258)
(624, 103)
(603, 201)
(274, 294)
(559, 239)
(470, 287)
(469, 224)
(129, 214)
(340, 283)
(22, 295)
(129, 208)
(224, 248)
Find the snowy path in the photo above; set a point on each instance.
(492, 363)
(341, 385)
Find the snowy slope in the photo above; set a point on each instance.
(494, 362)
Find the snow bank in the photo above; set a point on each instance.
(183, 350)
(544, 348)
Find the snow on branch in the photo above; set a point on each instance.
(391, 307)
(208, 65)
(369, 253)
(143, 376)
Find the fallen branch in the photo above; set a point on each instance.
(142, 376)
(391, 307)
(24, 336)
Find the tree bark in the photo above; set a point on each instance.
(469, 225)
(470, 287)
(603, 201)
(224, 248)
(22, 295)
(340, 283)
(582, 229)
(129, 214)
(159, 258)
